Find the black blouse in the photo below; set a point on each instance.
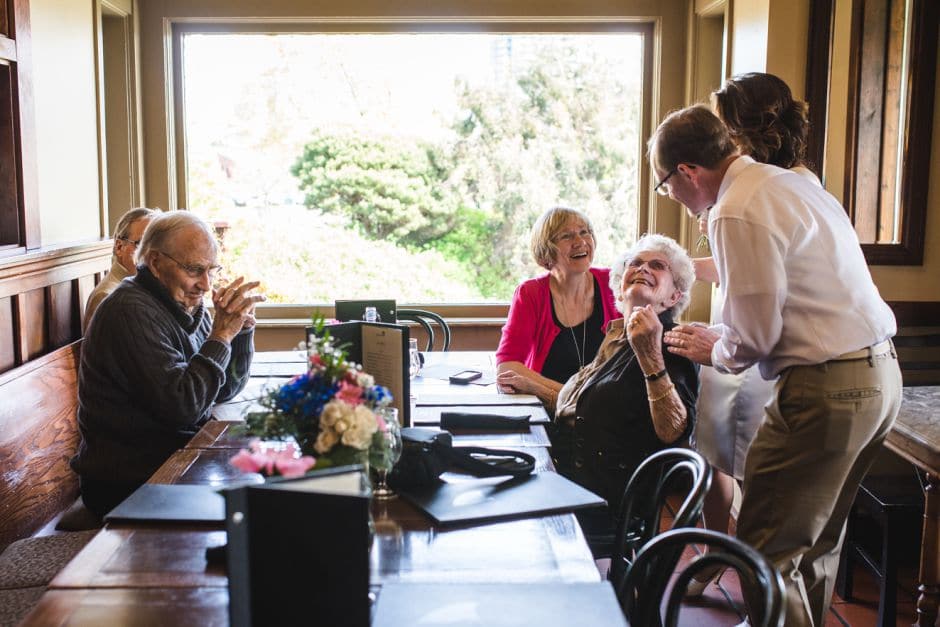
(581, 340)
(613, 431)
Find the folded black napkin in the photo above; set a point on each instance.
(493, 422)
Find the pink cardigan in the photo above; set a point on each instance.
(530, 330)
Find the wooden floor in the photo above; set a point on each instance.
(722, 604)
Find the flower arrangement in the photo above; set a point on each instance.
(332, 411)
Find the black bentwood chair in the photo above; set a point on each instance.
(672, 471)
(644, 587)
(425, 319)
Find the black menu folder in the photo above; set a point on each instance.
(298, 550)
(552, 604)
(171, 503)
(499, 498)
(382, 350)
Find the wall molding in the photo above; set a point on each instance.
(47, 266)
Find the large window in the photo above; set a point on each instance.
(407, 165)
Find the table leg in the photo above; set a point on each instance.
(929, 589)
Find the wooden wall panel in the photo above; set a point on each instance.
(33, 322)
(61, 310)
(84, 285)
(7, 335)
(916, 313)
(42, 295)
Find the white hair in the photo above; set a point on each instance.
(163, 228)
(680, 264)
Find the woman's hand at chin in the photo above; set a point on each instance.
(644, 332)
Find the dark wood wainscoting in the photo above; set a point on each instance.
(916, 313)
(42, 298)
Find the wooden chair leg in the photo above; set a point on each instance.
(844, 575)
(888, 582)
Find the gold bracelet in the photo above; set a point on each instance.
(664, 394)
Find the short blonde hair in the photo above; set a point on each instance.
(162, 230)
(546, 229)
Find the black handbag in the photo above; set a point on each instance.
(426, 453)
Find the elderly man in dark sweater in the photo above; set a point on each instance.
(154, 361)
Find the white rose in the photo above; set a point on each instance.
(331, 412)
(361, 428)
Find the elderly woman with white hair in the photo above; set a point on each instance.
(635, 398)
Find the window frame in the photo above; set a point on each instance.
(914, 134)
(16, 56)
(177, 168)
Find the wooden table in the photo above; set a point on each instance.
(916, 438)
(225, 434)
(158, 574)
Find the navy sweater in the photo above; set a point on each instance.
(148, 379)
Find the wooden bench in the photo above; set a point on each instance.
(38, 435)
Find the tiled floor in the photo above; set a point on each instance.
(722, 604)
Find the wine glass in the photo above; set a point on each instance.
(414, 358)
(384, 456)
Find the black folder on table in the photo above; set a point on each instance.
(451, 420)
(498, 498)
(549, 604)
(171, 503)
(298, 550)
(432, 415)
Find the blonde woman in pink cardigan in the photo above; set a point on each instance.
(556, 321)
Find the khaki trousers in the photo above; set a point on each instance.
(820, 434)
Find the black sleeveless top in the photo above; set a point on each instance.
(575, 346)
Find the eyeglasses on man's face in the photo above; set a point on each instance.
(568, 236)
(194, 272)
(662, 188)
(133, 242)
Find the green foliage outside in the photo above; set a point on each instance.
(436, 211)
(388, 188)
(561, 133)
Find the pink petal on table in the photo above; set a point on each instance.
(295, 467)
(246, 461)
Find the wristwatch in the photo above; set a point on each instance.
(656, 375)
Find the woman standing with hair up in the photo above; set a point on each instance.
(766, 123)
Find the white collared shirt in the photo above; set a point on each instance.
(797, 287)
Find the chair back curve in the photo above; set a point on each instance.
(667, 472)
(644, 587)
(426, 319)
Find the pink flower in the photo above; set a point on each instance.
(349, 393)
(383, 427)
(247, 461)
(283, 458)
(294, 467)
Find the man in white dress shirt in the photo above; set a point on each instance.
(801, 303)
